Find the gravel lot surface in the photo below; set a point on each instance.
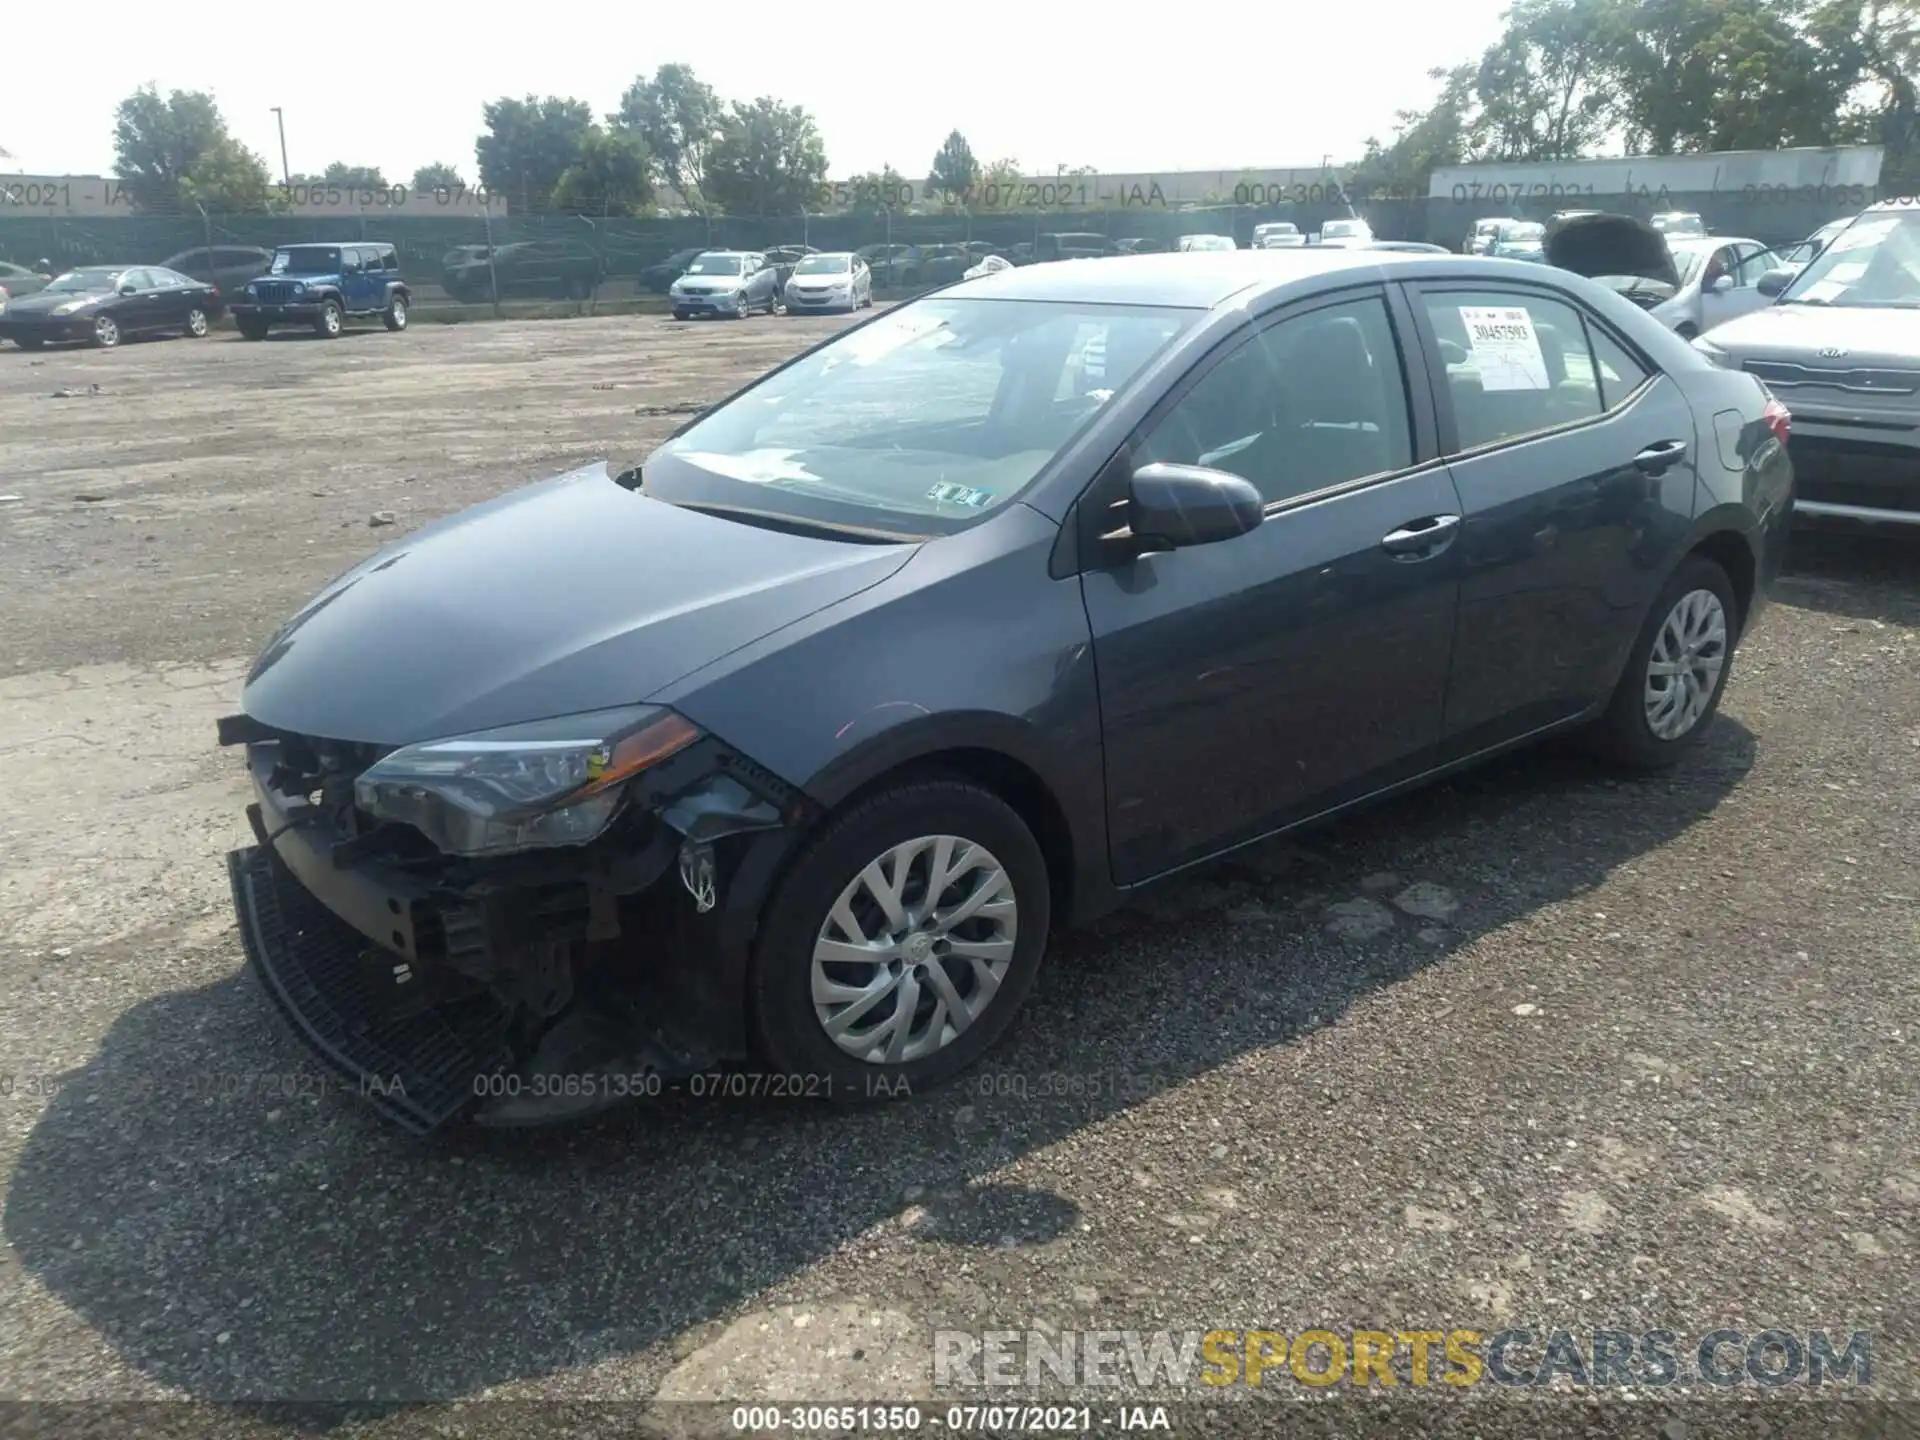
(1537, 1047)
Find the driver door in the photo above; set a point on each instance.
(139, 312)
(1255, 682)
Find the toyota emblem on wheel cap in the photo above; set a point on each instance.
(1832, 352)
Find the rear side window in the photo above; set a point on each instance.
(1619, 373)
(1516, 364)
(1310, 402)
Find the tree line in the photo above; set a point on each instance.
(671, 143)
(1665, 77)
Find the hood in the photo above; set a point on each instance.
(833, 280)
(1870, 337)
(701, 284)
(568, 595)
(1593, 245)
(332, 279)
(41, 303)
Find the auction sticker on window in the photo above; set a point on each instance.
(1506, 351)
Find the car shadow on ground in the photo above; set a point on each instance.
(1859, 576)
(244, 1244)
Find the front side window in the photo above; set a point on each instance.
(1313, 401)
(920, 421)
(307, 260)
(1516, 363)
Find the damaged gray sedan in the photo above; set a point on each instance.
(790, 746)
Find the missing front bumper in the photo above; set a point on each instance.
(420, 1066)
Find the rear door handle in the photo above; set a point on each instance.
(1420, 537)
(1657, 459)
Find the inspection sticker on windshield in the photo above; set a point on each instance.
(948, 493)
(1506, 351)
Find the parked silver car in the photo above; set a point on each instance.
(1340, 234)
(1719, 281)
(1840, 346)
(1207, 242)
(1278, 235)
(726, 282)
(836, 280)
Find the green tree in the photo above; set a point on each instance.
(359, 177)
(437, 176)
(769, 159)
(1423, 140)
(677, 118)
(874, 192)
(613, 176)
(174, 151)
(529, 144)
(954, 171)
(1542, 87)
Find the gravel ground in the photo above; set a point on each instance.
(1535, 1047)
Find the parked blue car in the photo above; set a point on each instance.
(321, 287)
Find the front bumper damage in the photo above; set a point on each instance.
(519, 990)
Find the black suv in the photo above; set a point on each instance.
(321, 286)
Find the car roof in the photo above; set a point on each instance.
(1202, 279)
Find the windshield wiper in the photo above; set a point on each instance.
(794, 525)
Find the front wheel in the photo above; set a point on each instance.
(251, 329)
(903, 941)
(1676, 673)
(197, 325)
(328, 323)
(395, 316)
(106, 332)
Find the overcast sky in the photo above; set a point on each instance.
(1194, 85)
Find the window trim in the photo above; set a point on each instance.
(1447, 422)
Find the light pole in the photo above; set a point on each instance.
(286, 171)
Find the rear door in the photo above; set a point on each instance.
(1575, 462)
(1255, 682)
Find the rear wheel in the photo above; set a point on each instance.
(1677, 672)
(197, 323)
(329, 322)
(903, 941)
(395, 315)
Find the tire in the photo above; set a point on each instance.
(790, 1032)
(744, 309)
(329, 322)
(773, 302)
(394, 317)
(1686, 332)
(1626, 734)
(106, 332)
(251, 329)
(682, 314)
(197, 324)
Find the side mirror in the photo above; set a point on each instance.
(1776, 280)
(1170, 507)
(1721, 284)
(129, 290)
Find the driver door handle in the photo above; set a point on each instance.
(1419, 538)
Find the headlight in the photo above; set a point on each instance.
(524, 787)
(299, 289)
(68, 307)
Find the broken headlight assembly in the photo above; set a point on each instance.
(539, 785)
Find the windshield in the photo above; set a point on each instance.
(823, 265)
(918, 422)
(1524, 231)
(84, 282)
(1342, 227)
(1281, 228)
(1874, 262)
(1679, 224)
(716, 265)
(306, 260)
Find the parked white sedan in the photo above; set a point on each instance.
(835, 280)
(1719, 281)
